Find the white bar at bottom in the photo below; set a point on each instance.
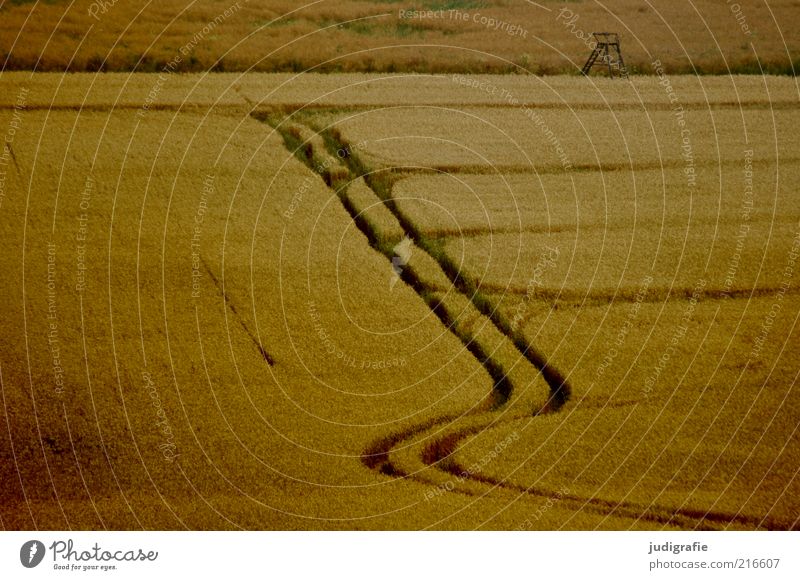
(396, 555)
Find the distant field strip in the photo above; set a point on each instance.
(490, 348)
(343, 92)
(606, 261)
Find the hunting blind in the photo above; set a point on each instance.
(607, 51)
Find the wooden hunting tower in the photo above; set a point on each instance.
(607, 50)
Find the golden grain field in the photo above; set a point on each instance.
(475, 36)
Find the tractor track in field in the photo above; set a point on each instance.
(438, 453)
(232, 307)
